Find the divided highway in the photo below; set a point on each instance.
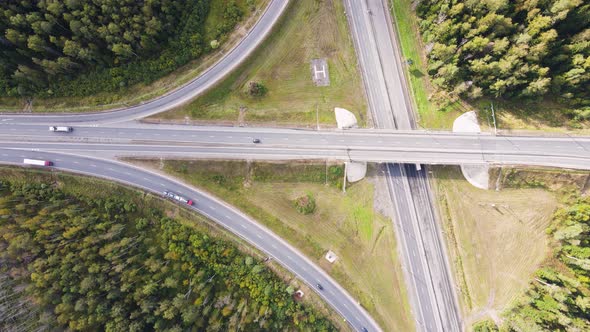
(430, 288)
(216, 210)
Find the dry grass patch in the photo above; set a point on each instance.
(310, 29)
(496, 239)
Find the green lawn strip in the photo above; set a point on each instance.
(309, 30)
(412, 48)
(143, 92)
(367, 267)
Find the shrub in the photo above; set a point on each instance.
(305, 204)
(255, 89)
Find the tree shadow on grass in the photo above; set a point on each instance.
(416, 73)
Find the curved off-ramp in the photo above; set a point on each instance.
(177, 97)
(216, 210)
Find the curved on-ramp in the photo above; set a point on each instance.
(216, 210)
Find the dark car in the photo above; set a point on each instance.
(364, 329)
(320, 287)
(256, 140)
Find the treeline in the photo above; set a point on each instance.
(78, 48)
(100, 264)
(509, 49)
(559, 297)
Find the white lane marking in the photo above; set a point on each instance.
(163, 185)
(379, 142)
(259, 236)
(75, 162)
(211, 136)
(289, 257)
(243, 226)
(273, 245)
(127, 173)
(4, 155)
(110, 169)
(211, 207)
(229, 136)
(156, 134)
(35, 150)
(57, 159)
(228, 217)
(346, 306)
(92, 165)
(146, 179)
(6, 119)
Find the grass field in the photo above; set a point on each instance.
(367, 267)
(142, 92)
(78, 186)
(310, 29)
(496, 240)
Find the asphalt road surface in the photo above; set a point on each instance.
(216, 210)
(434, 303)
(358, 145)
(181, 95)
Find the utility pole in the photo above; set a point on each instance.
(494, 119)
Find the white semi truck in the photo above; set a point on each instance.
(37, 162)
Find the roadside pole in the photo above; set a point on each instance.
(494, 119)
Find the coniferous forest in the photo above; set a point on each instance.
(77, 48)
(84, 263)
(509, 49)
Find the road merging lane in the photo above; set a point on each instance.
(216, 210)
